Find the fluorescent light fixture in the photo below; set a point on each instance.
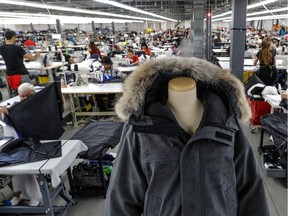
(257, 13)
(75, 10)
(259, 4)
(223, 14)
(220, 19)
(63, 19)
(117, 4)
(269, 11)
(26, 20)
(284, 16)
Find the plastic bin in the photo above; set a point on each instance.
(272, 172)
(43, 79)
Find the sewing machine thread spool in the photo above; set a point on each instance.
(68, 67)
(76, 67)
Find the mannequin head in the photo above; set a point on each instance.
(182, 84)
(183, 102)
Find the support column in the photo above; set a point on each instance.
(154, 26)
(58, 26)
(238, 37)
(208, 41)
(101, 27)
(197, 29)
(113, 28)
(78, 28)
(93, 30)
(32, 27)
(126, 26)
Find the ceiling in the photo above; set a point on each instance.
(175, 9)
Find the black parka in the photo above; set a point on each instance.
(162, 170)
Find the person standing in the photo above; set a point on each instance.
(94, 51)
(13, 56)
(266, 56)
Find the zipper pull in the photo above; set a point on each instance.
(171, 142)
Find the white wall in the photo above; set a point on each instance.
(283, 22)
(85, 27)
(220, 24)
(13, 27)
(168, 25)
(267, 25)
(185, 24)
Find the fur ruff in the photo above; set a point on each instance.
(137, 82)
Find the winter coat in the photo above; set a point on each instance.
(162, 170)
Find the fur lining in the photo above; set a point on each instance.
(136, 83)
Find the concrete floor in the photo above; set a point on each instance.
(275, 192)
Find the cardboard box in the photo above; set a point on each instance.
(284, 95)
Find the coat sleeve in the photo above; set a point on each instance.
(126, 192)
(250, 188)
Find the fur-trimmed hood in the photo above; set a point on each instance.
(137, 83)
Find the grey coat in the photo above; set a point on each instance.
(162, 170)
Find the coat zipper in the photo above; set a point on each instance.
(202, 183)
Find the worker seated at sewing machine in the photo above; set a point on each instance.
(108, 74)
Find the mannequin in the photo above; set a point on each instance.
(183, 102)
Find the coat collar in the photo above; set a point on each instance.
(140, 81)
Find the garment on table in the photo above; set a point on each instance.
(39, 116)
(159, 165)
(98, 136)
(27, 151)
(13, 57)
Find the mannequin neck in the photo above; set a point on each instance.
(185, 106)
